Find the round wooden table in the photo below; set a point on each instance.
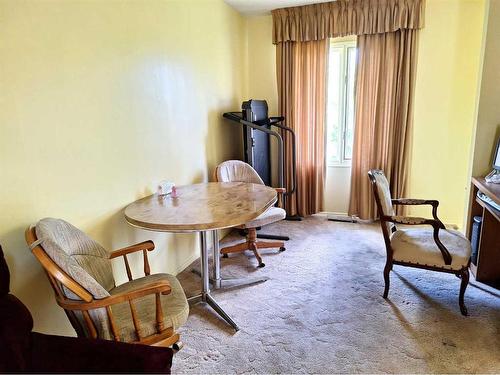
(203, 208)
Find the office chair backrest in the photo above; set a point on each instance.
(237, 171)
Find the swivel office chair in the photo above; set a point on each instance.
(238, 171)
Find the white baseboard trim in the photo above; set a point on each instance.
(222, 233)
(186, 264)
(341, 216)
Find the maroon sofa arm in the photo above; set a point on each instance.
(69, 354)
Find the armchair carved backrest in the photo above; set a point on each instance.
(383, 199)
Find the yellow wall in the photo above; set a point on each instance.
(261, 82)
(445, 100)
(261, 76)
(488, 120)
(100, 99)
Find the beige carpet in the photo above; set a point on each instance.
(322, 312)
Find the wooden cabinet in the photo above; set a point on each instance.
(487, 269)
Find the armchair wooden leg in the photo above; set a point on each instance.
(464, 275)
(169, 341)
(387, 270)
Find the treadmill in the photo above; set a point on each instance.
(257, 132)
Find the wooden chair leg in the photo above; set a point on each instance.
(464, 275)
(271, 245)
(169, 341)
(252, 244)
(387, 270)
(238, 248)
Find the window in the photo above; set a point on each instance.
(340, 105)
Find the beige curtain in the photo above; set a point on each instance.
(301, 70)
(383, 120)
(346, 17)
(387, 42)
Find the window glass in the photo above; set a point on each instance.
(340, 104)
(349, 129)
(334, 105)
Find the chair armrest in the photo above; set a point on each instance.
(157, 288)
(436, 224)
(408, 220)
(415, 202)
(146, 245)
(418, 202)
(142, 246)
(162, 287)
(280, 191)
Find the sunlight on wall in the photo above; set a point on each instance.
(100, 101)
(488, 120)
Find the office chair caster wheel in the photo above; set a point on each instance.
(282, 248)
(177, 346)
(261, 265)
(225, 256)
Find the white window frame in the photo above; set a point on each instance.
(345, 44)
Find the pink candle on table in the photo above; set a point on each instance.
(174, 192)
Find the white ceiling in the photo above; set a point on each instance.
(256, 7)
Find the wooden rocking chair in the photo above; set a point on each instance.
(146, 310)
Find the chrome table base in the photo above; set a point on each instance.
(217, 281)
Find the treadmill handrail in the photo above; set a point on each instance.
(233, 116)
(270, 132)
(274, 121)
(294, 160)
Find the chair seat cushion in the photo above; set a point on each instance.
(272, 215)
(417, 246)
(175, 307)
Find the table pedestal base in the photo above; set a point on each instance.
(233, 282)
(216, 280)
(208, 299)
(205, 295)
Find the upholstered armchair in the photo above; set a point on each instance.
(432, 247)
(147, 310)
(238, 171)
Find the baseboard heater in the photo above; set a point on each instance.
(341, 217)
